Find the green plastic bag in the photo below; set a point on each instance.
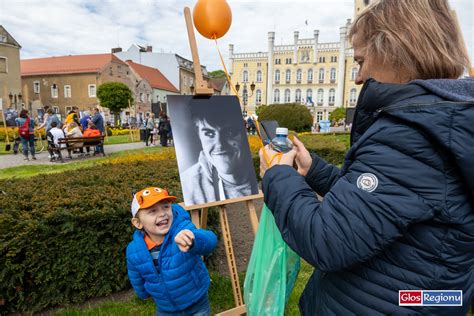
(272, 270)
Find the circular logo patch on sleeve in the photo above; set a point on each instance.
(367, 182)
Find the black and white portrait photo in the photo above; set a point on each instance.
(212, 149)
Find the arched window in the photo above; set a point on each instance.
(333, 75)
(287, 96)
(320, 96)
(332, 96)
(354, 73)
(277, 76)
(245, 76)
(298, 95)
(310, 75)
(258, 97)
(321, 75)
(309, 97)
(288, 75)
(259, 76)
(353, 96)
(298, 75)
(276, 96)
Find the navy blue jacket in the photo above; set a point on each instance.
(398, 215)
(98, 121)
(183, 278)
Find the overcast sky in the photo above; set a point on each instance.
(58, 27)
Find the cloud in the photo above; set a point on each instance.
(53, 28)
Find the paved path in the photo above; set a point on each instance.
(7, 161)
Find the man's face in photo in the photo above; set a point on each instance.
(221, 145)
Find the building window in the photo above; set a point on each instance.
(148, 97)
(277, 61)
(332, 96)
(258, 97)
(277, 76)
(36, 87)
(54, 91)
(3, 65)
(142, 97)
(322, 59)
(56, 110)
(287, 96)
(246, 65)
(184, 81)
(320, 96)
(259, 64)
(353, 97)
(354, 73)
(67, 91)
(68, 109)
(319, 116)
(298, 75)
(191, 81)
(288, 76)
(3, 39)
(321, 75)
(334, 59)
(298, 96)
(245, 76)
(333, 75)
(259, 76)
(276, 96)
(92, 91)
(288, 61)
(309, 97)
(310, 75)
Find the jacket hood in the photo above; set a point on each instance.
(444, 111)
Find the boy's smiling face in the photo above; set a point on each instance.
(156, 220)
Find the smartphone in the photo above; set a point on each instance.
(267, 131)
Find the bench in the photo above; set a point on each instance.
(72, 143)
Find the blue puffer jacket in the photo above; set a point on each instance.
(399, 214)
(183, 277)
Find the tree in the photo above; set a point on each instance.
(217, 74)
(293, 116)
(115, 96)
(337, 114)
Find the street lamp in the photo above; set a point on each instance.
(245, 94)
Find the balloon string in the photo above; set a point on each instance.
(225, 70)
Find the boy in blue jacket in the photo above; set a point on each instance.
(164, 258)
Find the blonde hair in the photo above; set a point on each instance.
(420, 37)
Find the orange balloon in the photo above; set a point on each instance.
(212, 18)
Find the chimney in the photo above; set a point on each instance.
(116, 50)
(149, 49)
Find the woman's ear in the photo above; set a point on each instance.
(136, 223)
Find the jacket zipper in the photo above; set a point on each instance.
(354, 119)
(400, 106)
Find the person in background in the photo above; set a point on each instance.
(85, 120)
(53, 136)
(72, 116)
(45, 118)
(399, 214)
(150, 124)
(98, 122)
(26, 127)
(75, 131)
(164, 127)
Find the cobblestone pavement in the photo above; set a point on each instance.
(7, 161)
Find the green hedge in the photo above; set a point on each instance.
(63, 237)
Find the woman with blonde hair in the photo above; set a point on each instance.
(399, 214)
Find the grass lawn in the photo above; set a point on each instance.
(220, 297)
(33, 170)
(111, 140)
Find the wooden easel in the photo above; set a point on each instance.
(200, 220)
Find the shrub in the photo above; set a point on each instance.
(337, 114)
(13, 132)
(295, 117)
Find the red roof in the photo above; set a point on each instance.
(66, 64)
(153, 76)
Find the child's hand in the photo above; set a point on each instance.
(184, 239)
